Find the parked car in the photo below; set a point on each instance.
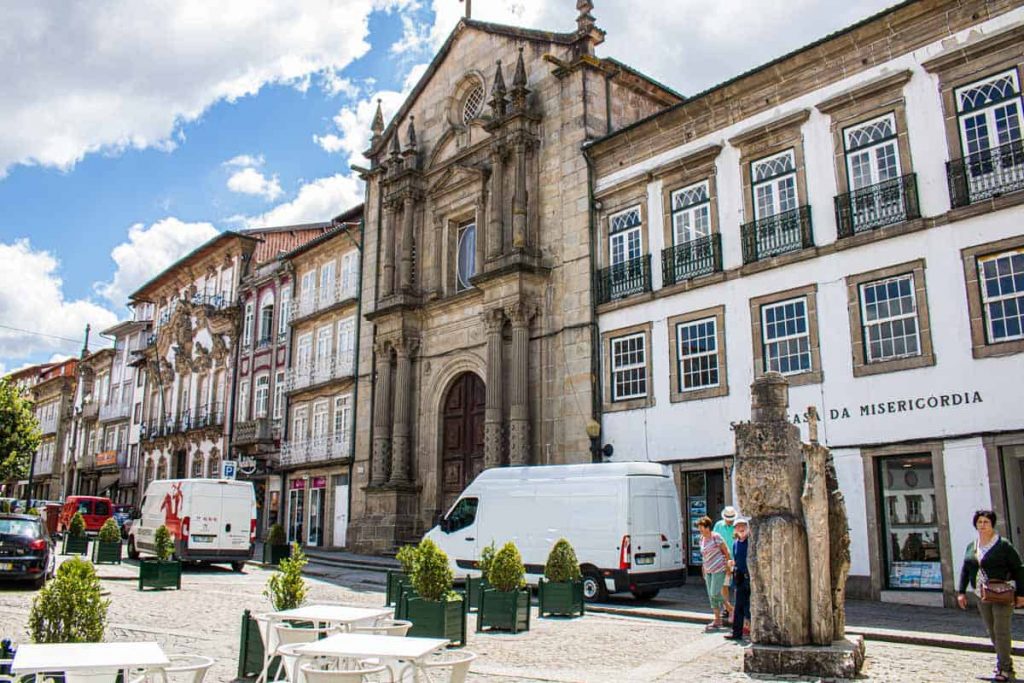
(123, 514)
(95, 510)
(623, 520)
(210, 520)
(26, 549)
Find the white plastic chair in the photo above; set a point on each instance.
(386, 627)
(190, 668)
(288, 636)
(455, 664)
(314, 674)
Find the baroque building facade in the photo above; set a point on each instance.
(476, 279)
(53, 393)
(849, 216)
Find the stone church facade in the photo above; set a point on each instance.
(477, 347)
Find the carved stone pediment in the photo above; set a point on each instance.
(457, 177)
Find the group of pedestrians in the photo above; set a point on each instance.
(992, 567)
(723, 548)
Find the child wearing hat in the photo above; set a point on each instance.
(740, 578)
(724, 528)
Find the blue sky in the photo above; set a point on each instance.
(136, 131)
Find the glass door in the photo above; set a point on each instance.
(296, 511)
(316, 517)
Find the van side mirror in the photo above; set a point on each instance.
(444, 524)
(136, 513)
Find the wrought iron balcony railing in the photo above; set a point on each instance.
(90, 410)
(313, 450)
(255, 431)
(888, 202)
(691, 259)
(48, 425)
(115, 411)
(986, 174)
(342, 290)
(778, 234)
(326, 369)
(623, 279)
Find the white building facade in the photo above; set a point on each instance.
(856, 222)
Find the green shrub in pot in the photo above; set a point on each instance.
(505, 604)
(561, 590)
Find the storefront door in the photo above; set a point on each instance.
(296, 510)
(703, 494)
(1013, 489)
(910, 531)
(316, 512)
(340, 510)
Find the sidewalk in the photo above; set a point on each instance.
(911, 624)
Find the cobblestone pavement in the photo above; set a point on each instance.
(204, 618)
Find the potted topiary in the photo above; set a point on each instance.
(436, 611)
(276, 547)
(286, 588)
(475, 584)
(162, 572)
(75, 541)
(107, 548)
(560, 591)
(69, 609)
(505, 605)
(397, 580)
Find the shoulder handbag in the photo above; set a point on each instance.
(997, 592)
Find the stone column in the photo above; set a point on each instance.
(495, 229)
(387, 285)
(494, 320)
(519, 413)
(405, 269)
(519, 198)
(381, 417)
(403, 399)
(815, 505)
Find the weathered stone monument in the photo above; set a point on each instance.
(799, 553)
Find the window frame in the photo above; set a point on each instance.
(773, 182)
(261, 396)
(868, 325)
(814, 374)
(1017, 295)
(247, 324)
(681, 358)
(284, 314)
(612, 400)
(278, 405)
(685, 209)
(872, 148)
(767, 343)
(463, 284)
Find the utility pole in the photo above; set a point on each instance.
(469, 8)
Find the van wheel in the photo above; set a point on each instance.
(237, 566)
(133, 553)
(645, 595)
(593, 587)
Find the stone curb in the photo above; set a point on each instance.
(969, 643)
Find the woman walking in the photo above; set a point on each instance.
(715, 557)
(993, 568)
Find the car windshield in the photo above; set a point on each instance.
(19, 527)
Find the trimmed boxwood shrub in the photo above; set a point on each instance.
(107, 548)
(164, 544)
(506, 572)
(77, 525)
(275, 536)
(70, 609)
(110, 532)
(562, 564)
(286, 588)
(432, 577)
(435, 610)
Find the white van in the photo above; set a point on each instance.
(623, 519)
(210, 520)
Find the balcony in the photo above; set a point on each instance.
(115, 411)
(107, 459)
(691, 259)
(204, 417)
(986, 174)
(48, 425)
(779, 234)
(889, 202)
(214, 301)
(90, 409)
(342, 290)
(128, 475)
(260, 430)
(623, 279)
(310, 374)
(314, 450)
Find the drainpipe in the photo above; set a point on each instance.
(595, 331)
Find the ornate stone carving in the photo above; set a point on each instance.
(219, 350)
(202, 360)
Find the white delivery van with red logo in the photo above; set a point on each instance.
(210, 520)
(623, 519)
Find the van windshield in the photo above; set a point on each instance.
(462, 515)
(85, 507)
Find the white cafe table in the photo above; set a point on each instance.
(88, 657)
(391, 650)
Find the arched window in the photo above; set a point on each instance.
(466, 256)
(473, 103)
(266, 319)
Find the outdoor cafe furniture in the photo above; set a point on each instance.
(313, 674)
(88, 661)
(401, 655)
(385, 627)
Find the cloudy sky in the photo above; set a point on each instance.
(134, 130)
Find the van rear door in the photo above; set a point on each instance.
(237, 513)
(203, 510)
(653, 525)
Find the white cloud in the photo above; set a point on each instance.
(251, 181)
(32, 299)
(77, 78)
(245, 160)
(330, 143)
(689, 45)
(319, 200)
(148, 251)
(333, 84)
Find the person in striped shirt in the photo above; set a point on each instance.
(715, 557)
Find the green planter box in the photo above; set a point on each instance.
(75, 545)
(106, 553)
(273, 554)
(436, 619)
(404, 590)
(564, 598)
(250, 650)
(159, 574)
(474, 586)
(394, 587)
(505, 611)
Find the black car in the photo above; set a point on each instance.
(26, 550)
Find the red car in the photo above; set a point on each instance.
(95, 511)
